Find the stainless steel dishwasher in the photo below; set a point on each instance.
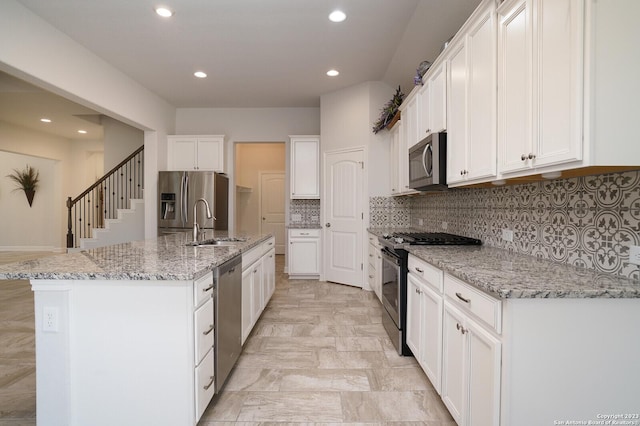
(227, 318)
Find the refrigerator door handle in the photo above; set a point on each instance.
(184, 188)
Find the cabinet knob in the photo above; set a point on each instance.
(523, 157)
(532, 156)
(328, 225)
(461, 328)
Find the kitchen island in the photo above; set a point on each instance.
(118, 330)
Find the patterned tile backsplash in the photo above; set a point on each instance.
(587, 221)
(304, 212)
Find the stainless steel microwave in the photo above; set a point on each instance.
(428, 163)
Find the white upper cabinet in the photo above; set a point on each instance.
(396, 137)
(437, 100)
(305, 167)
(540, 83)
(195, 152)
(407, 136)
(471, 100)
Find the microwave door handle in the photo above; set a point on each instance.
(424, 159)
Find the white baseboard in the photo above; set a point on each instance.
(34, 248)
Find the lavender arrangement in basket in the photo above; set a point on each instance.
(388, 111)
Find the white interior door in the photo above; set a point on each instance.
(272, 207)
(343, 216)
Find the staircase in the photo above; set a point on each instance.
(128, 226)
(111, 211)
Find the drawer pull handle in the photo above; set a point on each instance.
(206, 387)
(304, 233)
(459, 296)
(270, 244)
(419, 270)
(209, 330)
(207, 289)
(370, 276)
(461, 328)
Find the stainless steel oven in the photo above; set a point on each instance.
(394, 277)
(394, 296)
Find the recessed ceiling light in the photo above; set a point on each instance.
(82, 131)
(333, 73)
(45, 120)
(337, 16)
(200, 74)
(164, 12)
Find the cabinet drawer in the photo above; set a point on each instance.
(204, 330)
(302, 233)
(433, 276)
(483, 306)
(202, 289)
(205, 386)
(251, 256)
(268, 245)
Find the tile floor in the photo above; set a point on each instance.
(317, 356)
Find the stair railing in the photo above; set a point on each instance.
(102, 200)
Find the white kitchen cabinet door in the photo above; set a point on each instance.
(483, 377)
(424, 110)
(269, 276)
(414, 316)
(305, 167)
(431, 355)
(210, 155)
(182, 153)
(247, 302)
(540, 85)
(481, 97)
(257, 300)
(437, 100)
(515, 114)
(471, 100)
(396, 137)
(457, 113)
(304, 255)
(558, 80)
(454, 365)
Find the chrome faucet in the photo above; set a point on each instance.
(196, 227)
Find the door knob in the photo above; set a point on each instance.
(264, 218)
(328, 225)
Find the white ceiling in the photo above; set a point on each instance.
(258, 53)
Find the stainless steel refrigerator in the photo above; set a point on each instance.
(179, 191)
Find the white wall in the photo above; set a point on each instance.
(120, 140)
(248, 125)
(35, 51)
(347, 121)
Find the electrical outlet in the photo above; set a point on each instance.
(445, 225)
(315, 218)
(634, 255)
(420, 222)
(296, 217)
(507, 235)
(50, 319)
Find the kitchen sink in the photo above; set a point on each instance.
(218, 242)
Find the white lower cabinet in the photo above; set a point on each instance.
(424, 318)
(374, 271)
(204, 383)
(304, 253)
(470, 370)
(258, 283)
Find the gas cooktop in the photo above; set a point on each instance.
(399, 239)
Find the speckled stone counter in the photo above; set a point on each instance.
(503, 274)
(164, 258)
(304, 226)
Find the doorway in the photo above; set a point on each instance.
(260, 191)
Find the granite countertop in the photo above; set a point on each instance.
(304, 226)
(164, 258)
(505, 275)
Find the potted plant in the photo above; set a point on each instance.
(389, 113)
(26, 180)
